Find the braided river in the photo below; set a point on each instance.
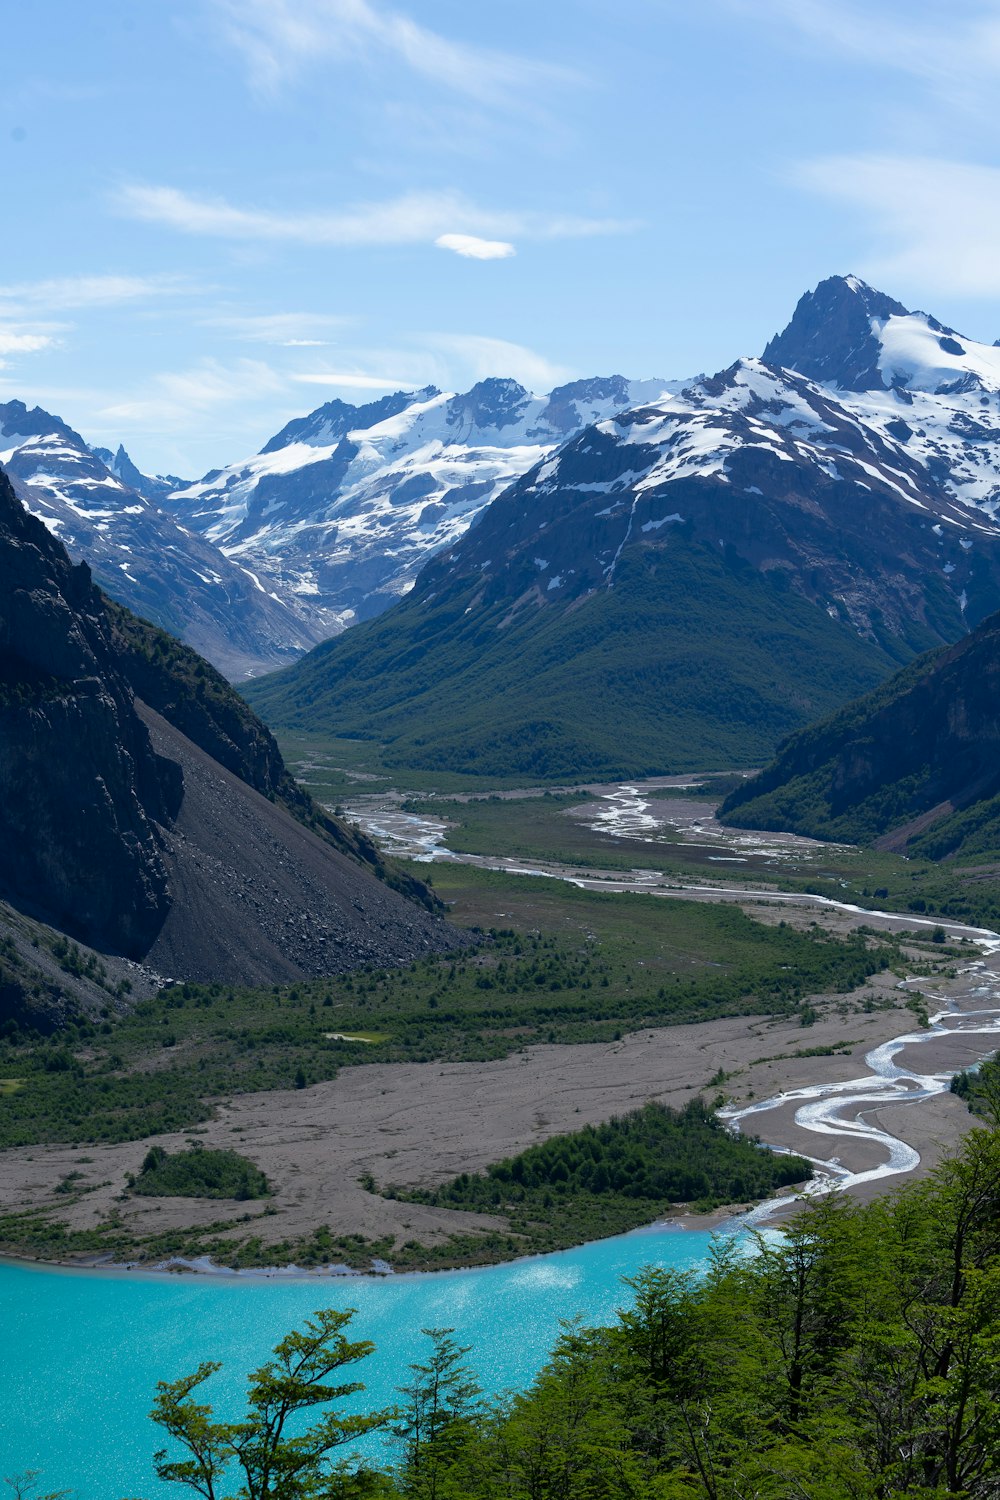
(82, 1349)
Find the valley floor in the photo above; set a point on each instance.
(416, 1125)
(329, 1148)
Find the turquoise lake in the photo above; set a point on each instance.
(82, 1350)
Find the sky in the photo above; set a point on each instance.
(219, 214)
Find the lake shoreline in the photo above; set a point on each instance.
(726, 1220)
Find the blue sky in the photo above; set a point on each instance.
(221, 213)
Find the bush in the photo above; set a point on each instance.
(199, 1173)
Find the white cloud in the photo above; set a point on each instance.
(475, 357)
(63, 292)
(279, 39)
(413, 218)
(356, 381)
(934, 223)
(474, 248)
(12, 342)
(289, 330)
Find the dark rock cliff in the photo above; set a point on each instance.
(81, 789)
(134, 843)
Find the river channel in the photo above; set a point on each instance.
(82, 1350)
(968, 1007)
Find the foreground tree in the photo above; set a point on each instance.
(439, 1418)
(276, 1460)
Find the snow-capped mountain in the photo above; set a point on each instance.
(931, 390)
(891, 464)
(143, 557)
(755, 543)
(155, 487)
(345, 505)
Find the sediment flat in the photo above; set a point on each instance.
(418, 1124)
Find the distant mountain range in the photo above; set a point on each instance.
(329, 523)
(109, 514)
(855, 466)
(343, 507)
(687, 582)
(147, 812)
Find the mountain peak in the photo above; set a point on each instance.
(335, 419)
(830, 338)
(494, 402)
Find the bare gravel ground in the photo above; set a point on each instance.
(420, 1124)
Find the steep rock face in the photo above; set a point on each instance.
(898, 765)
(81, 790)
(830, 338)
(141, 556)
(150, 847)
(344, 506)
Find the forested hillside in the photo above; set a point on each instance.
(855, 1358)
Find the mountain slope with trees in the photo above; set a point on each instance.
(683, 585)
(913, 766)
(852, 1358)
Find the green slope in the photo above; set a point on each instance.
(693, 659)
(914, 764)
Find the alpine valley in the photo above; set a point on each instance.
(685, 583)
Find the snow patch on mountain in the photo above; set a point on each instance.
(346, 505)
(141, 556)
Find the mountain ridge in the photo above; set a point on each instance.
(344, 505)
(882, 524)
(141, 556)
(110, 821)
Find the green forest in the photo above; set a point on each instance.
(445, 681)
(853, 1357)
(198, 1172)
(606, 1179)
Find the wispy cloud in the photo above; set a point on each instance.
(474, 356)
(954, 49)
(933, 223)
(172, 400)
(354, 380)
(62, 293)
(279, 39)
(413, 218)
(289, 330)
(474, 248)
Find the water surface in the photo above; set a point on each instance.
(82, 1350)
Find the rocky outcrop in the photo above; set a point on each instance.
(194, 845)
